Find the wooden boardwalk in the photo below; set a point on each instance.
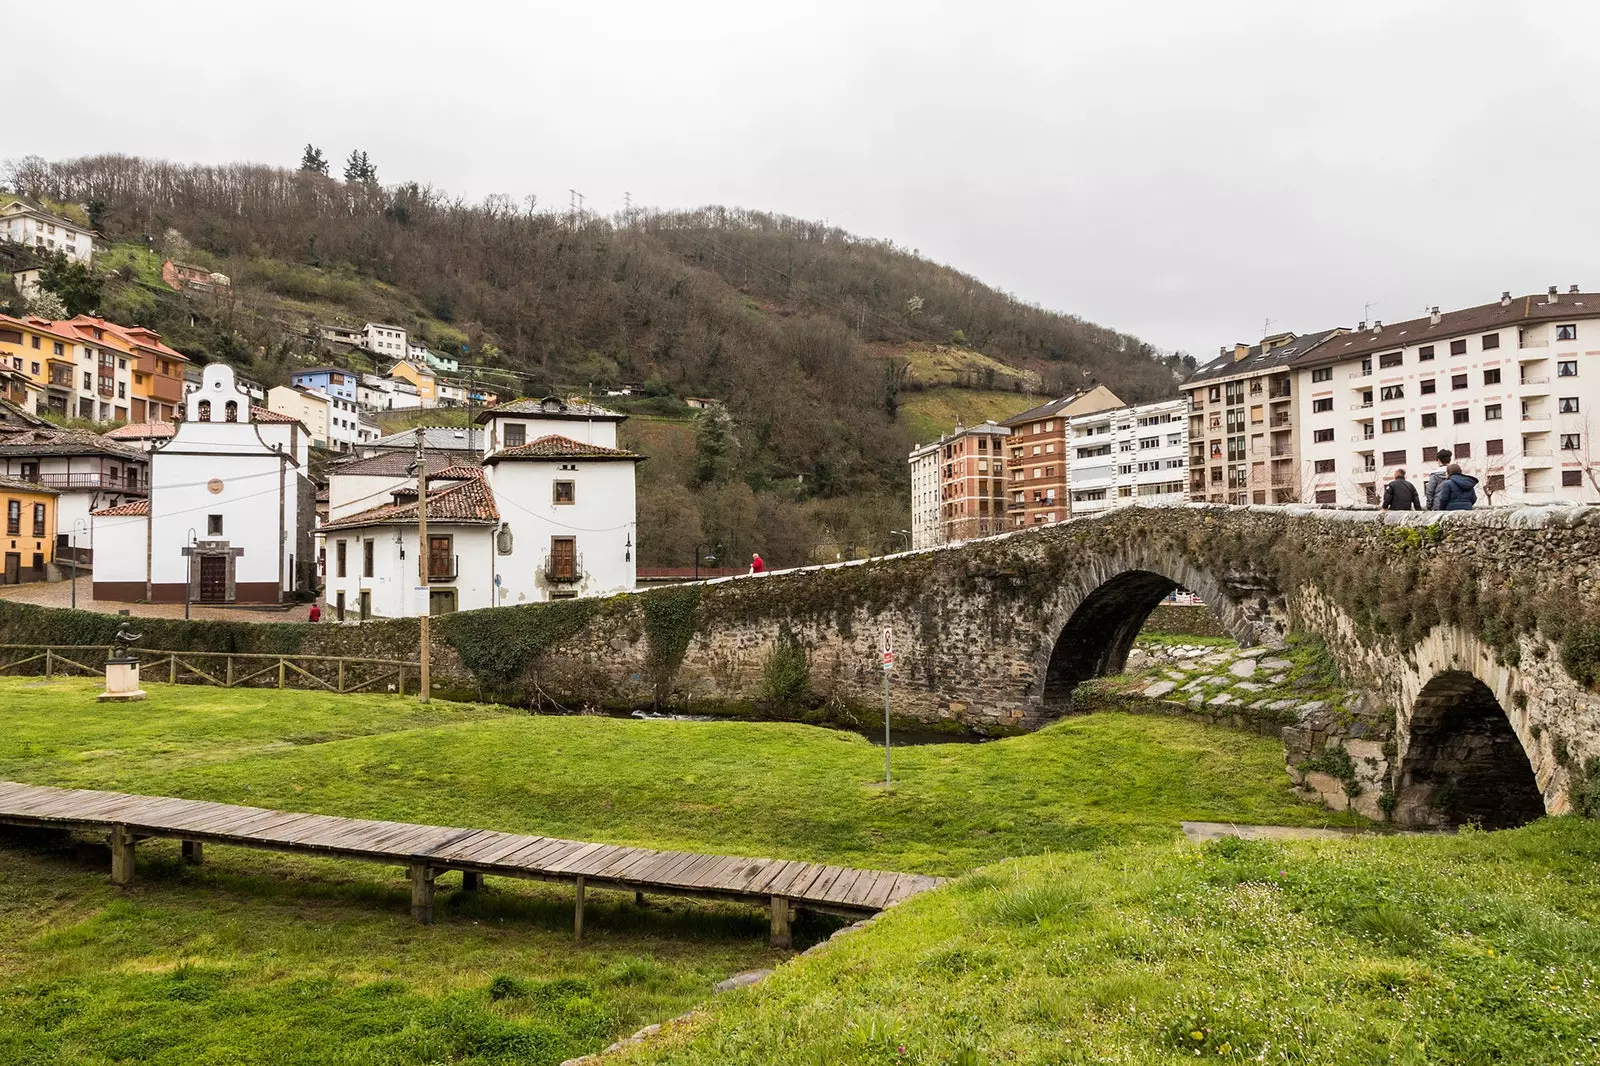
(428, 850)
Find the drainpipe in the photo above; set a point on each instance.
(283, 465)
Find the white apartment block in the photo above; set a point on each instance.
(1128, 456)
(381, 338)
(44, 232)
(926, 529)
(1511, 388)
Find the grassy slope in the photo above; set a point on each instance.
(1473, 949)
(773, 789)
(934, 411)
(262, 958)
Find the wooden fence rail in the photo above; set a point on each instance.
(237, 669)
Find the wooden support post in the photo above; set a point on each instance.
(49, 662)
(341, 675)
(577, 914)
(172, 669)
(638, 899)
(781, 912)
(471, 880)
(281, 670)
(422, 892)
(400, 680)
(193, 852)
(121, 856)
(230, 672)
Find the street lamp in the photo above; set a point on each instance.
(906, 533)
(72, 542)
(188, 574)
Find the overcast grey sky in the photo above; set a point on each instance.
(1183, 170)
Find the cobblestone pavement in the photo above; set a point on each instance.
(59, 594)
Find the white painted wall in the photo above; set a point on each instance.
(1530, 427)
(395, 573)
(587, 431)
(1147, 461)
(601, 519)
(48, 234)
(926, 529)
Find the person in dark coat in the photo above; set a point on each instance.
(1400, 494)
(1459, 491)
(1430, 488)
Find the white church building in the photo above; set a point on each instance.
(549, 514)
(229, 513)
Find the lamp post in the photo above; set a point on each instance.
(188, 574)
(72, 542)
(906, 533)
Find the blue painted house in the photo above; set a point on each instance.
(328, 380)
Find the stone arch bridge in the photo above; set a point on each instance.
(1474, 638)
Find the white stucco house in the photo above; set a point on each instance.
(549, 515)
(22, 223)
(229, 513)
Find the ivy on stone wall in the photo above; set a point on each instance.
(501, 644)
(669, 626)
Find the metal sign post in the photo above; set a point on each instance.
(888, 665)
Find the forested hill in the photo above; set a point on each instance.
(815, 338)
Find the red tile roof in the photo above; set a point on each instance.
(559, 447)
(457, 472)
(137, 507)
(141, 431)
(261, 414)
(464, 502)
(17, 484)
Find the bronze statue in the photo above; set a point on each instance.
(124, 640)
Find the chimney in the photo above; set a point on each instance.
(1361, 325)
(1377, 325)
(1550, 299)
(1433, 315)
(1573, 290)
(1505, 298)
(1240, 350)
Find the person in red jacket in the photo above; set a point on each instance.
(756, 565)
(316, 613)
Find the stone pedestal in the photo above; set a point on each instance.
(122, 682)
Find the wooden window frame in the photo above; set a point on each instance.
(572, 493)
(448, 542)
(368, 550)
(521, 433)
(341, 558)
(38, 520)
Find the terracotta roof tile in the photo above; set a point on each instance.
(465, 501)
(40, 441)
(141, 431)
(123, 510)
(16, 484)
(558, 447)
(261, 414)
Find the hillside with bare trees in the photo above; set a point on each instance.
(809, 334)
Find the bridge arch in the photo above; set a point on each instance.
(1099, 614)
(1464, 761)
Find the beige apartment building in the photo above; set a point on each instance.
(1037, 463)
(1243, 440)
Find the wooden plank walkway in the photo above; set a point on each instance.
(428, 850)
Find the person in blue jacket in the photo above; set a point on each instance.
(1459, 491)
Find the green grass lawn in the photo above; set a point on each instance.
(1108, 942)
(769, 789)
(1482, 948)
(930, 412)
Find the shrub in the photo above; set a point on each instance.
(786, 674)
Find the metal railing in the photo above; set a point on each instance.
(563, 571)
(224, 669)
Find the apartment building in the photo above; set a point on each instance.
(1036, 456)
(1512, 388)
(926, 529)
(1128, 455)
(964, 495)
(1244, 444)
(380, 338)
(48, 234)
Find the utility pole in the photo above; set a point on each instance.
(422, 559)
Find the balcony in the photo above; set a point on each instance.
(1282, 452)
(1532, 351)
(565, 570)
(1535, 420)
(1279, 421)
(1537, 460)
(88, 481)
(1279, 394)
(1367, 406)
